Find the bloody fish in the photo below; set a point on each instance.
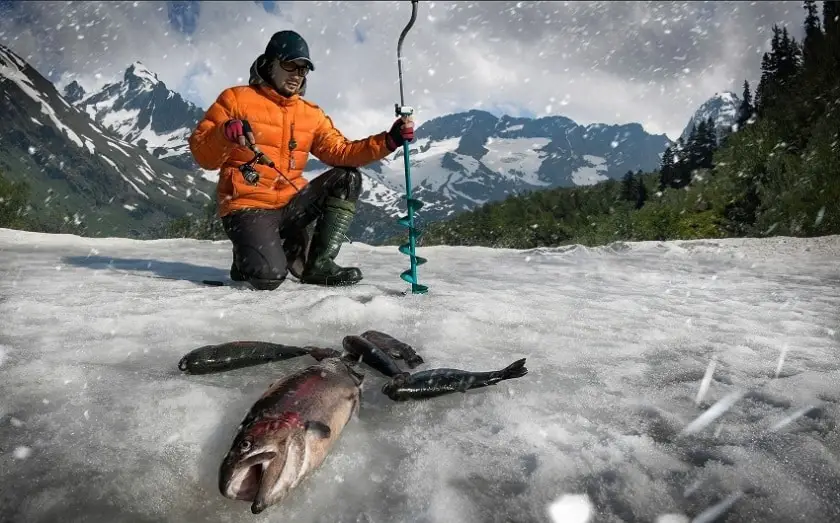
(289, 431)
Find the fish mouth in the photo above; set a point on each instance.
(264, 477)
(242, 480)
(280, 474)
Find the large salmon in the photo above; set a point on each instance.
(289, 431)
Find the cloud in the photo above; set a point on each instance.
(608, 62)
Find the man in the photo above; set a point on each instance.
(268, 218)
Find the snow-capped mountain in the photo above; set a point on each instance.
(722, 108)
(140, 109)
(470, 158)
(69, 161)
(458, 161)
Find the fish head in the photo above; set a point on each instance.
(393, 388)
(265, 461)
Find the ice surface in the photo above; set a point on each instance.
(618, 341)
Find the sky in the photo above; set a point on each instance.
(653, 63)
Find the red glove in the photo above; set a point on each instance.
(401, 132)
(236, 129)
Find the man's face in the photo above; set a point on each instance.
(288, 76)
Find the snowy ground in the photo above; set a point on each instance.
(97, 424)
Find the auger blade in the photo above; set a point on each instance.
(417, 233)
(414, 204)
(418, 288)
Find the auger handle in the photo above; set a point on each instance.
(399, 49)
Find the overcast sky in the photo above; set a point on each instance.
(609, 62)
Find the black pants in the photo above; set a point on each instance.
(264, 240)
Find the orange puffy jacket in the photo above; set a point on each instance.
(275, 120)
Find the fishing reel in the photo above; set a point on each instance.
(246, 139)
(247, 169)
(249, 173)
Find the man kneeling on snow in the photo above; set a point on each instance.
(267, 218)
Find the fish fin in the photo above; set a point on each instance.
(321, 353)
(356, 375)
(318, 428)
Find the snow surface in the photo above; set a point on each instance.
(97, 423)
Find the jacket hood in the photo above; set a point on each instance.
(256, 79)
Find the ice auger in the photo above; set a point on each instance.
(412, 204)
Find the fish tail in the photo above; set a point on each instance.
(517, 369)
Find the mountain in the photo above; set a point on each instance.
(722, 108)
(70, 162)
(463, 160)
(140, 109)
(458, 161)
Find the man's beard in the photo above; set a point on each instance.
(284, 89)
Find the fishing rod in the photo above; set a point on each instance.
(412, 204)
(246, 139)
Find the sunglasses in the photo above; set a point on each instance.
(290, 67)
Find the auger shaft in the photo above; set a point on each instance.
(412, 204)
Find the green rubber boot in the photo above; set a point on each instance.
(320, 269)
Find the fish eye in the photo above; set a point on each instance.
(244, 445)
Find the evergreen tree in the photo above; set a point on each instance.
(666, 169)
(831, 28)
(707, 143)
(813, 35)
(831, 19)
(745, 110)
(777, 67)
(628, 189)
(695, 152)
(641, 192)
(761, 95)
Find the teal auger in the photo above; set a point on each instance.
(412, 204)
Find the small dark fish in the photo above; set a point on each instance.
(396, 348)
(438, 382)
(369, 354)
(239, 354)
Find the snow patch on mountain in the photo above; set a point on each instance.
(516, 157)
(591, 174)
